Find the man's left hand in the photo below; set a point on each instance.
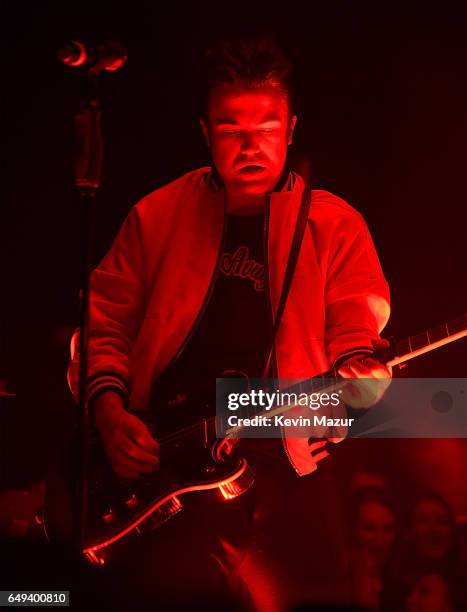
(374, 378)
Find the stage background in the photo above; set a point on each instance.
(382, 124)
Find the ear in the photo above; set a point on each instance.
(293, 121)
(205, 131)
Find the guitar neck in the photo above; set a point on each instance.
(396, 354)
(431, 339)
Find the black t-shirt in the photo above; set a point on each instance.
(234, 332)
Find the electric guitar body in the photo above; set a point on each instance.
(119, 510)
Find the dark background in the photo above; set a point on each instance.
(382, 92)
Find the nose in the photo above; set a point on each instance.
(249, 143)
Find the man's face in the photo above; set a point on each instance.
(248, 131)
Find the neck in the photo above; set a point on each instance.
(241, 204)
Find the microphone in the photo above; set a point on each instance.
(107, 55)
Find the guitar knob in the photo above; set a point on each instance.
(132, 501)
(109, 517)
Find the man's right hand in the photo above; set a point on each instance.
(131, 449)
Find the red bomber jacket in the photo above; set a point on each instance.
(148, 290)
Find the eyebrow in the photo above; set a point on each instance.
(268, 118)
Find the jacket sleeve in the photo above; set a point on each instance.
(117, 298)
(356, 294)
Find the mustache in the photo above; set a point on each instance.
(251, 162)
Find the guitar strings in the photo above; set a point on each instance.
(320, 381)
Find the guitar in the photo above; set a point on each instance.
(191, 460)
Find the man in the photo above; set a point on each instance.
(191, 285)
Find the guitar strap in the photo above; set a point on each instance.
(300, 226)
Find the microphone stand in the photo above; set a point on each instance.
(87, 176)
(108, 55)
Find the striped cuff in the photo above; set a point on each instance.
(354, 352)
(102, 390)
(106, 381)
